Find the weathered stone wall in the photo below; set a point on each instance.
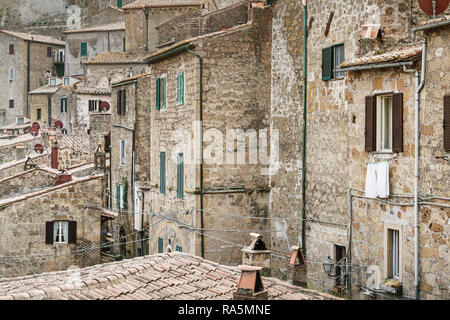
(102, 75)
(26, 182)
(24, 234)
(286, 117)
(68, 158)
(100, 126)
(40, 102)
(8, 148)
(13, 168)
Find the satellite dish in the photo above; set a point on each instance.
(59, 125)
(427, 6)
(105, 106)
(39, 148)
(36, 125)
(34, 131)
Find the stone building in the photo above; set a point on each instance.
(176, 187)
(85, 43)
(27, 60)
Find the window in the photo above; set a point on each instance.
(11, 104)
(179, 248)
(384, 123)
(162, 172)
(64, 105)
(180, 88)
(160, 245)
(121, 102)
(49, 52)
(11, 74)
(180, 176)
(20, 120)
(393, 254)
(11, 49)
(64, 131)
(93, 106)
(66, 81)
(161, 93)
(38, 115)
(123, 44)
(122, 152)
(60, 231)
(119, 3)
(52, 82)
(83, 49)
(332, 57)
(119, 197)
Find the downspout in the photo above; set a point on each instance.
(109, 41)
(305, 66)
(200, 57)
(350, 234)
(419, 87)
(133, 156)
(28, 73)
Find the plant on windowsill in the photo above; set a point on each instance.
(118, 257)
(392, 286)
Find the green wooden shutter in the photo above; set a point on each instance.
(119, 3)
(163, 97)
(162, 172)
(327, 63)
(179, 248)
(84, 49)
(123, 44)
(180, 88)
(118, 197)
(160, 245)
(158, 93)
(180, 176)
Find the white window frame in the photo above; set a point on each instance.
(65, 104)
(122, 152)
(52, 82)
(60, 229)
(381, 118)
(68, 81)
(393, 261)
(11, 74)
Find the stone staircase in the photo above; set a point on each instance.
(106, 257)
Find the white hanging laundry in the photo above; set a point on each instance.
(382, 186)
(371, 181)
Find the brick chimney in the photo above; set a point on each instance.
(296, 267)
(63, 178)
(54, 163)
(256, 254)
(250, 286)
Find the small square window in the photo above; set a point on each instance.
(66, 81)
(11, 49)
(11, 74)
(11, 104)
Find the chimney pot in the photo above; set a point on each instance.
(256, 254)
(250, 286)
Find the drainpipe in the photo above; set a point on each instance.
(28, 73)
(200, 57)
(305, 66)
(418, 87)
(350, 234)
(146, 30)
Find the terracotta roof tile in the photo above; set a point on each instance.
(140, 4)
(116, 58)
(393, 56)
(34, 37)
(432, 21)
(117, 26)
(140, 280)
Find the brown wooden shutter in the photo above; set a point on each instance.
(397, 122)
(119, 100)
(370, 130)
(447, 123)
(49, 232)
(124, 104)
(72, 232)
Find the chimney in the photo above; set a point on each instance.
(296, 267)
(250, 286)
(256, 254)
(54, 163)
(20, 152)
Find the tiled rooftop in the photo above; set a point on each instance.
(140, 4)
(77, 142)
(168, 276)
(432, 21)
(34, 37)
(393, 56)
(107, 27)
(131, 78)
(116, 58)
